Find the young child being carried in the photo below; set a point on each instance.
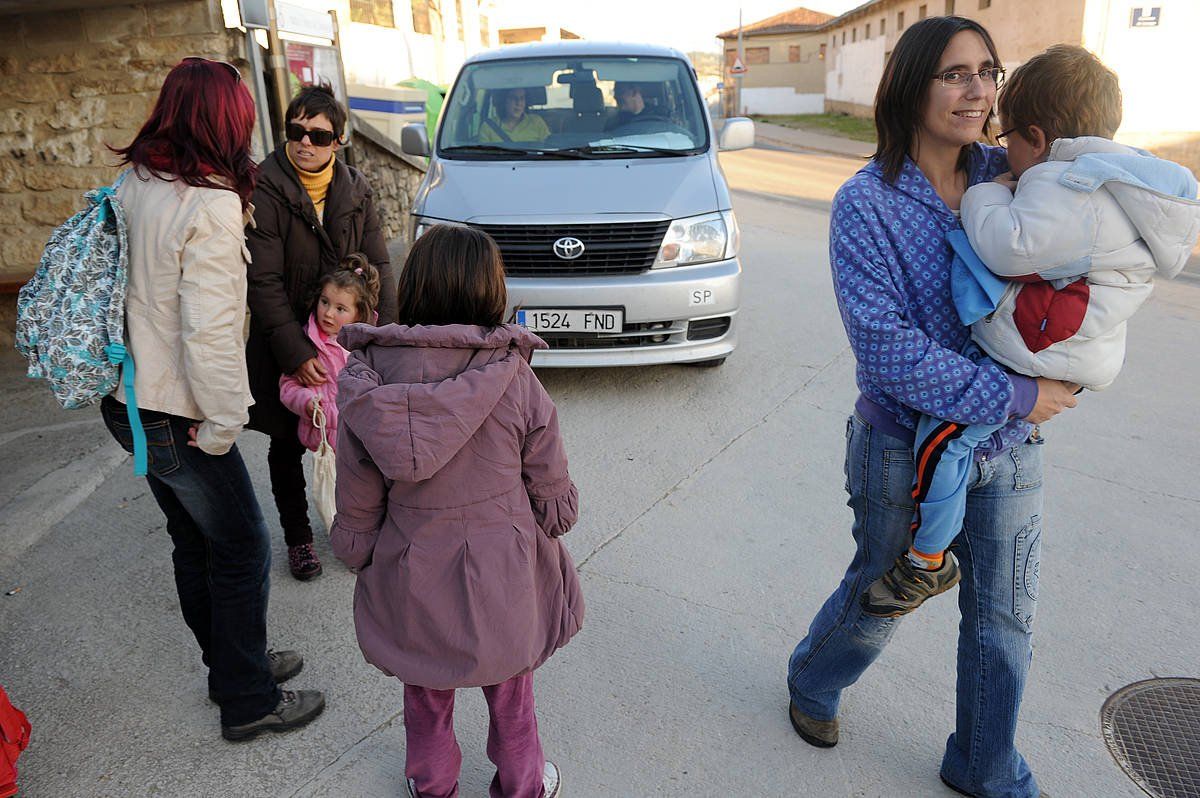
(452, 493)
(347, 295)
(1069, 257)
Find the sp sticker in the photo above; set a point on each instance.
(703, 296)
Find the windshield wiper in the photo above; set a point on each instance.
(606, 149)
(498, 149)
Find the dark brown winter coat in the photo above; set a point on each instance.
(290, 251)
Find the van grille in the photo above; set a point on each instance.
(621, 248)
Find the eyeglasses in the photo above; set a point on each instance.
(955, 77)
(316, 136)
(237, 73)
(1004, 134)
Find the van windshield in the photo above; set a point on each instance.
(593, 107)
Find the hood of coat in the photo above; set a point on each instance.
(1158, 196)
(413, 429)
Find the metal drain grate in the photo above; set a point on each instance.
(1152, 729)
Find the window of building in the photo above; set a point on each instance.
(372, 12)
(730, 57)
(458, 15)
(821, 54)
(900, 21)
(854, 34)
(758, 55)
(794, 53)
(843, 37)
(922, 12)
(420, 14)
(985, 4)
(949, 7)
(883, 26)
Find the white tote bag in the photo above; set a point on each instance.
(324, 471)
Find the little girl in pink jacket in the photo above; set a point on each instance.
(347, 295)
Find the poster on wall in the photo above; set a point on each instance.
(309, 64)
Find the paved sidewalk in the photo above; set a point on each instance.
(810, 141)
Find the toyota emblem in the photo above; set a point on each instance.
(568, 248)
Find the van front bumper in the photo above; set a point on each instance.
(684, 314)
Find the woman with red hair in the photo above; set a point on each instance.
(186, 199)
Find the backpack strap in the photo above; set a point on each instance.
(119, 355)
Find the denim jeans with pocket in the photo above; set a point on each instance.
(222, 557)
(998, 552)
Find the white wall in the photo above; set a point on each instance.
(855, 70)
(781, 100)
(1154, 64)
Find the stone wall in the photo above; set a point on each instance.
(394, 178)
(72, 82)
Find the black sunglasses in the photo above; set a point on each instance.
(237, 73)
(318, 137)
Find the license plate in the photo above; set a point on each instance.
(573, 320)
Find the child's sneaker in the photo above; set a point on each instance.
(551, 781)
(303, 562)
(904, 587)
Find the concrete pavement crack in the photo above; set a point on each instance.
(688, 477)
(690, 602)
(1133, 488)
(316, 777)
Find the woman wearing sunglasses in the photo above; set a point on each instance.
(186, 199)
(311, 211)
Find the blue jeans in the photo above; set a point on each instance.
(998, 552)
(222, 557)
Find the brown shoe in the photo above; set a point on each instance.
(821, 733)
(904, 587)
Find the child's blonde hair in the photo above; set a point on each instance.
(1064, 90)
(356, 274)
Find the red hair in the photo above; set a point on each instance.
(200, 130)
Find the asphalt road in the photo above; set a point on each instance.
(713, 526)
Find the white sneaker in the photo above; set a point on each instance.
(412, 788)
(551, 781)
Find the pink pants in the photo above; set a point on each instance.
(513, 745)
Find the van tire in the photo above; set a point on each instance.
(707, 364)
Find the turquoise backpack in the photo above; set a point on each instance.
(71, 315)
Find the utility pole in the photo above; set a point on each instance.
(279, 69)
(741, 57)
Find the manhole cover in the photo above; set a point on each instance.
(1153, 731)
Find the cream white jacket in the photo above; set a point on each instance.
(1099, 210)
(186, 304)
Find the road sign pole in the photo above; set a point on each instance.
(741, 57)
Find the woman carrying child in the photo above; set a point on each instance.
(452, 493)
(891, 271)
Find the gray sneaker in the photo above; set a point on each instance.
(284, 665)
(821, 733)
(295, 709)
(551, 781)
(904, 587)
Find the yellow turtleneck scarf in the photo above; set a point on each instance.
(315, 183)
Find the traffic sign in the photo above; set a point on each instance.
(738, 67)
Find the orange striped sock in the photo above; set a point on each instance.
(928, 562)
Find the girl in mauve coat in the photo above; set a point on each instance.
(452, 493)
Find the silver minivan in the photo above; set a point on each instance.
(594, 167)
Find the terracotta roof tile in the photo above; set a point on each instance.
(798, 20)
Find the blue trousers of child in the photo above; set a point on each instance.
(943, 454)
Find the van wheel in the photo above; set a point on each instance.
(707, 364)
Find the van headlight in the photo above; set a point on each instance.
(699, 239)
(421, 225)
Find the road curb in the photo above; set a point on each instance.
(38, 508)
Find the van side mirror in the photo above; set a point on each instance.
(737, 134)
(414, 140)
